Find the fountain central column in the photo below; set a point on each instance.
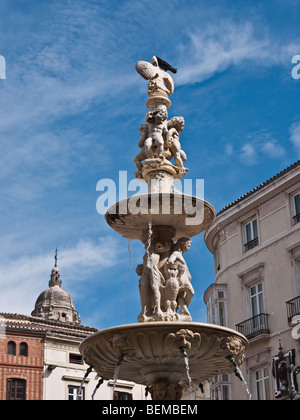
(165, 351)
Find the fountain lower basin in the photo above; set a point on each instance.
(152, 354)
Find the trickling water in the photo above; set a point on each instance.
(238, 373)
(116, 375)
(187, 367)
(247, 390)
(149, 235)
(125, 281)
(82, 382)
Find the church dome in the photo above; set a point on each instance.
(55, 294)
(55, 303)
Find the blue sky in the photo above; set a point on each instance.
(70, 110)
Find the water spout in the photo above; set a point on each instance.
(100, 382)
(116, 373)
(120, 359)
(82, 382)
(237, 370)
(201, 386)
(187, 367)
(184, 352)
(238, 374)
(125, 281)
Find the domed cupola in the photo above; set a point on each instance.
(55, 303)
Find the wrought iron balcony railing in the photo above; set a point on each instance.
(293, 308)
(296, 218)
(255, 326)
(251, 244)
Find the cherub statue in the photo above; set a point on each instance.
(151, 281)
(186, 290)
(175, 126)
(143, 144)
(157, 122)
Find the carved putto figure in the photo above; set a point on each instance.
(159, 140)
(175, 126)
(161, 143)
(165, 282)
(157, 132)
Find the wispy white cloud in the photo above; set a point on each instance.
(225, 43)
(248, 154)
(66, 69)
(273, 150)
(258, 146)
(295, 135)
(23, 279)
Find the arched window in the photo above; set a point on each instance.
(11, 348)
(23, 349)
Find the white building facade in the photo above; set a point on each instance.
(64, 369)
(256, 246)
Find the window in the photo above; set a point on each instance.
(257, 307)
(217, 260)
(73, 393)
(75, 358)
(262, 384)
(257, 303)
(220, 388)
(216, 306)
(16, 389)
(11, 348)
(23, 349)
(296, 208)
(122, 396)
(250, 235)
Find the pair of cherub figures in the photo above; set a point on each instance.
(165, 281)
(159, 138)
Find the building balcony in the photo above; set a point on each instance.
(254, 327)
(251, 244)
(296, 218)
(293, 308)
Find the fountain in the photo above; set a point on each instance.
(165, 350)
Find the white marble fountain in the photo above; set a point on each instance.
(157, 350)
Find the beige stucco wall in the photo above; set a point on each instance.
(274, 262)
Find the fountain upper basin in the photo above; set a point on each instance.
(188, 215)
